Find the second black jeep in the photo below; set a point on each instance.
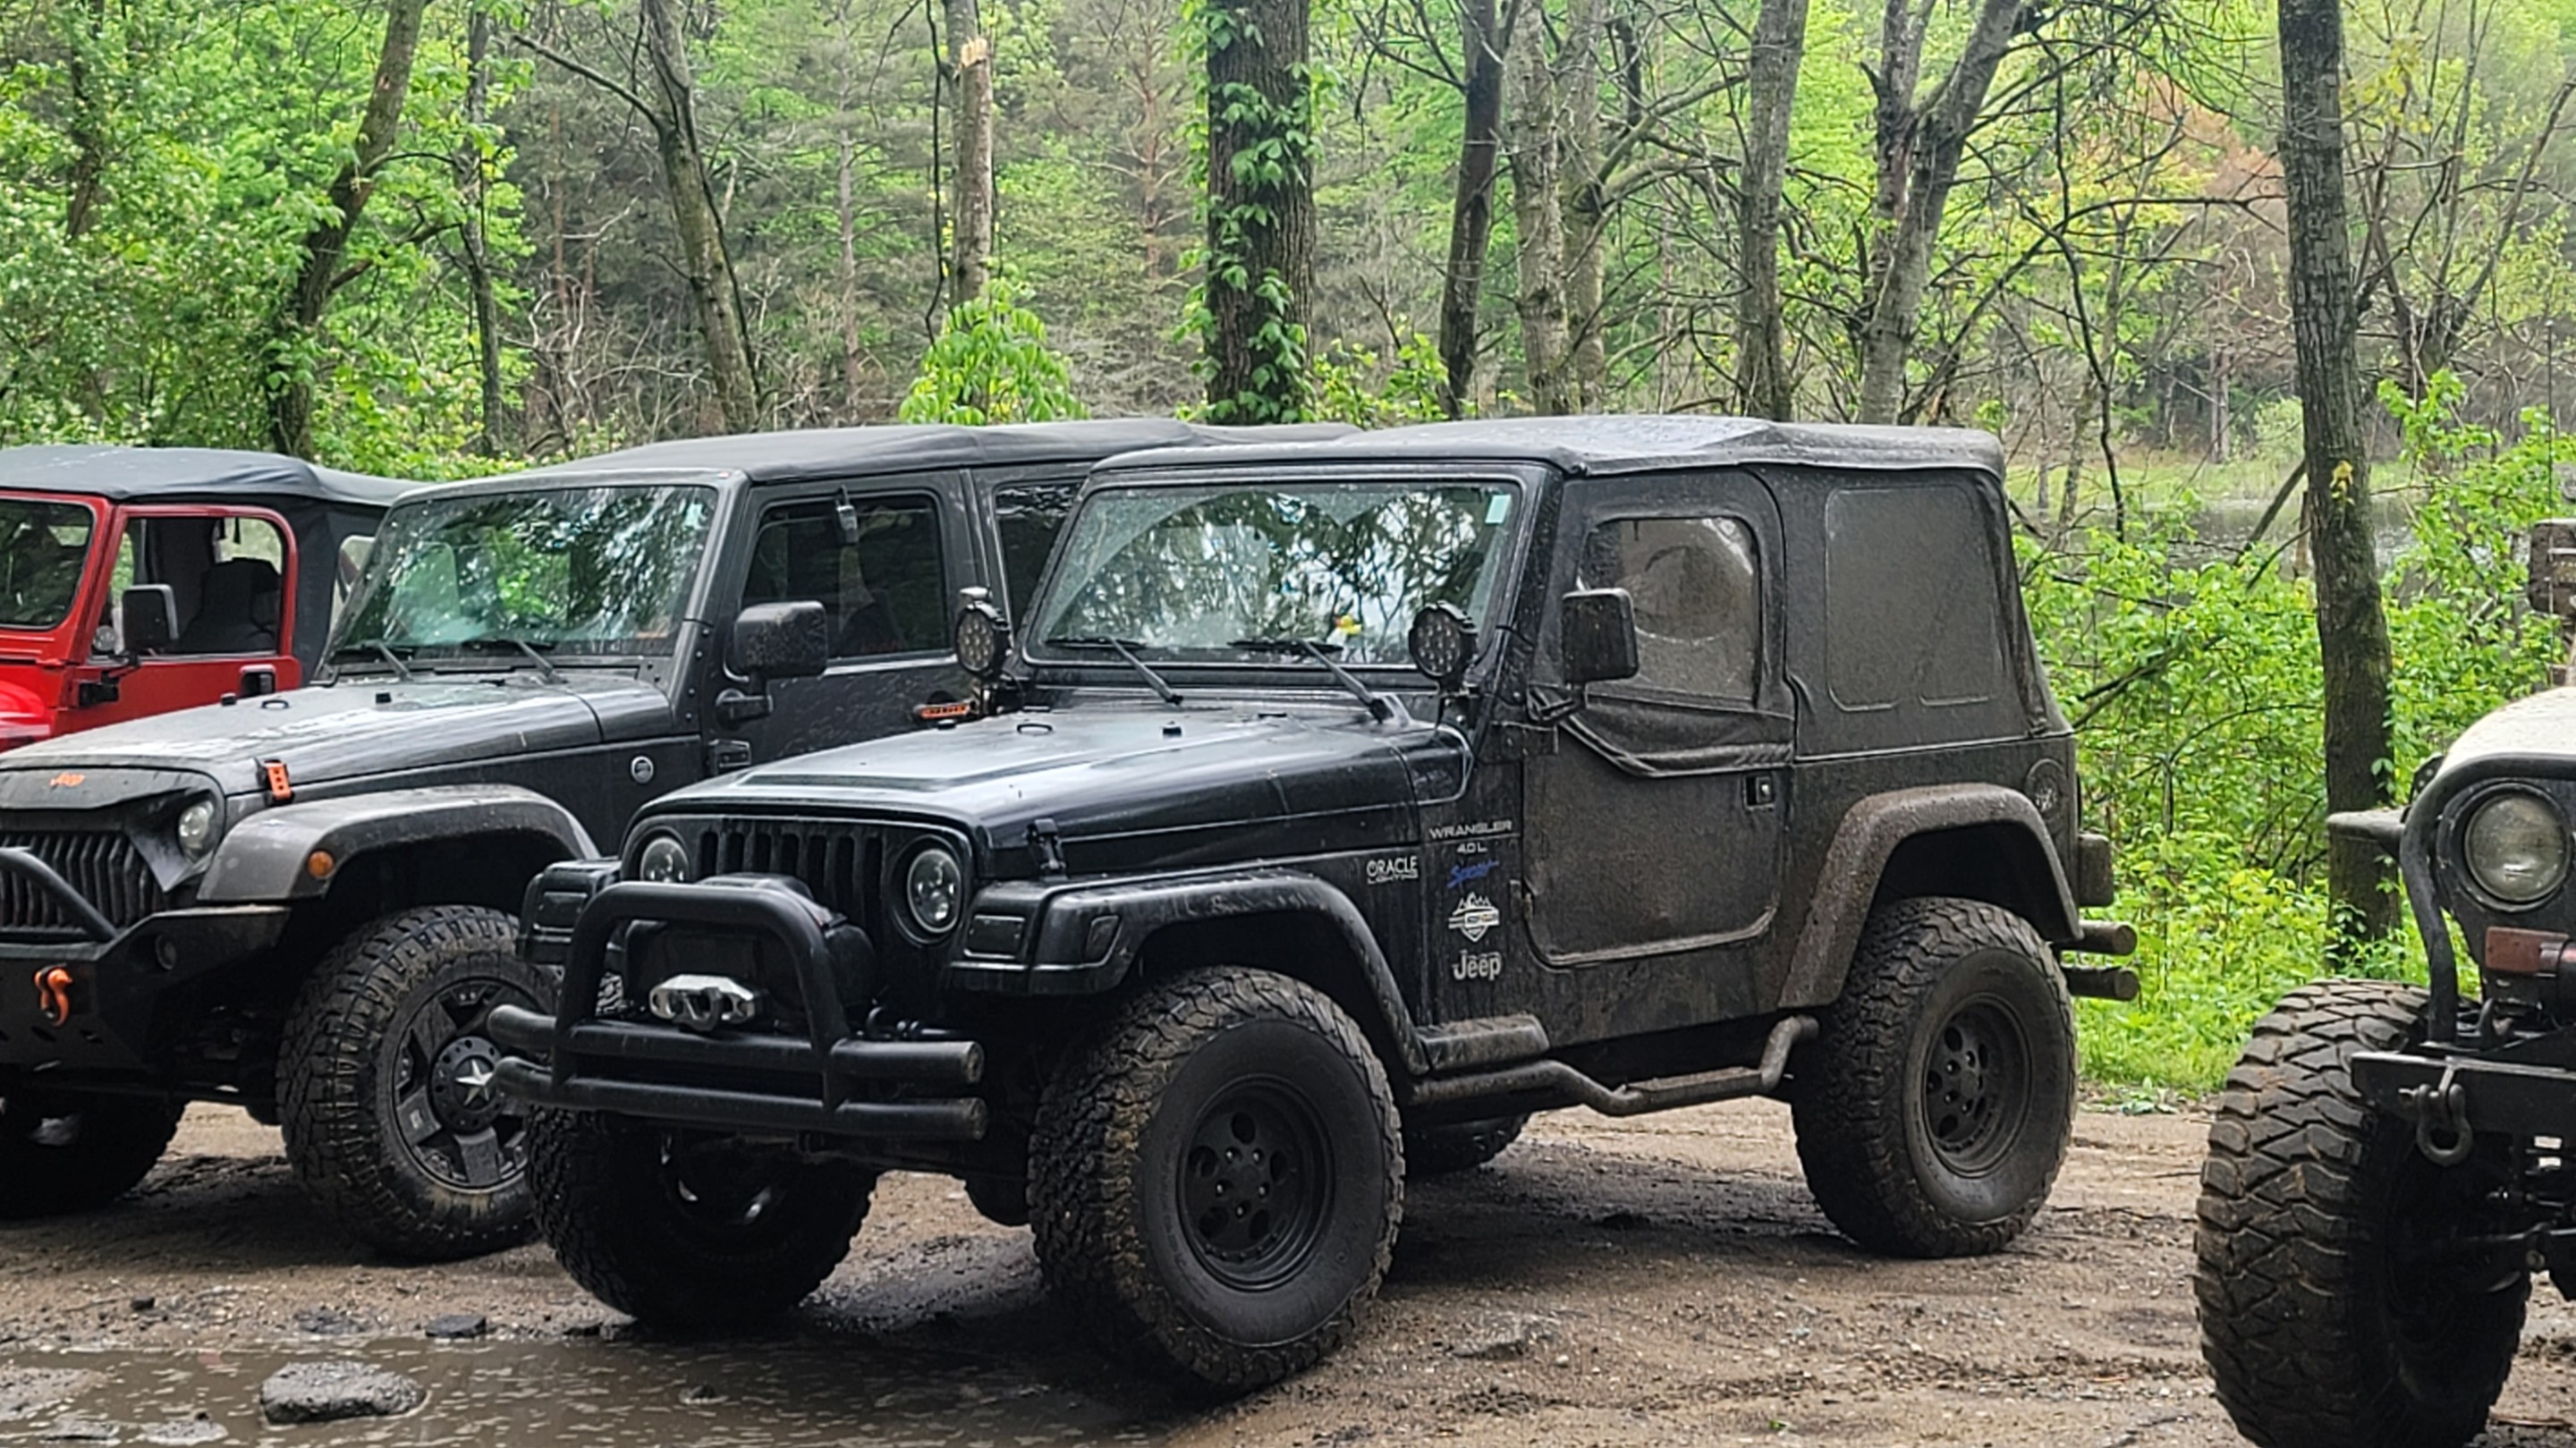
(1361, 799)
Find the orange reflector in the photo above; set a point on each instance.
(54, 994)
(280, 788)
(319, 864)
(945, 713)
(2521, 952)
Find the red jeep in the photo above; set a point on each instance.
(138, 580)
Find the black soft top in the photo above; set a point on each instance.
(789, 457)
(194, 474)
(1614, 444)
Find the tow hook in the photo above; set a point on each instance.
(54, 995)
(2441, 1113)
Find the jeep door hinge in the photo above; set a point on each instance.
(1515, 740)
(724, 756)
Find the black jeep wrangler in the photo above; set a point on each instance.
(301, 902)
(1358, 800)
(2389, 1164)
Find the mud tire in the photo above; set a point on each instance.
(1458, 1146)
(70, 1151)
(1132, 1144)
(748, 1237)
(1904, 1158)
(356, 1066)
(2313, 1329)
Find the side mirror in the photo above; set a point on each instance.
(782, 641)
(151, 614)
(1597, 636)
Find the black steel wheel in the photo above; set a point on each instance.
(1217, 1177)
(2351, 1291)
(1458, 1146)
(690, 1231)
(386, 1083)
(69, 1151)
(1934, 1106)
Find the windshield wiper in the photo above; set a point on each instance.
(380, 649)
(1378, 707)
(1124, 649)
(544, 664)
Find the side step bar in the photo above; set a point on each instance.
(1562, 1082)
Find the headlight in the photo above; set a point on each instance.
(663, 860)
(197, 828)
(2516, 847)
(934, 888)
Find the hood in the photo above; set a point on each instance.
(27, 694)
(1125, 785)
(359, 727)
(2541, 725)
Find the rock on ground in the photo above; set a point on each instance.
(327, 1392)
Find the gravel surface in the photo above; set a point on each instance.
(1663, 1279)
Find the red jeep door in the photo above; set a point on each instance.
(230, 573)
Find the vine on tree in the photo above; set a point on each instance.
(1269, 171)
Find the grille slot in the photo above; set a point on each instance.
(839, 862)
(103, 865)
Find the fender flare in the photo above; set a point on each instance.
(1868, 837)
(263, 858)
(1146, 906)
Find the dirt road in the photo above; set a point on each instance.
(1664, 1280)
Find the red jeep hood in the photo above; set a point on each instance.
(27, 694)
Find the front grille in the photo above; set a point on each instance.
(840, 862)
(104, 866)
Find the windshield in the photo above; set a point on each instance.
(570, 571)
(43, 546)
(1197, 574)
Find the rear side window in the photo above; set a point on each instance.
(885, 591)
(1029, 517)
(1697, 590)
(1910, 600)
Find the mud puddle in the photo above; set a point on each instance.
(547, 1394)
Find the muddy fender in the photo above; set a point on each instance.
(265, 857)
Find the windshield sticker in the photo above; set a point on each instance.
(1474, 830)
(1497, 509)
(1399, 867)
(1462, 874)
(1482, 965)
(1475, 918)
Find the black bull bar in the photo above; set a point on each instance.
(772, 1083)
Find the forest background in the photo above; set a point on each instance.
(435, 238)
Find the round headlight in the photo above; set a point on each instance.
(982, 640)
(197, 827)
(934, 890)
(2516, 846)
(663, 860)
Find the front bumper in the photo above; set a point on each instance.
(833, 1082)
(2504, 1093)
(117, 979)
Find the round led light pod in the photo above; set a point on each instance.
(934, 890)
(1442, 642)
(981, 639)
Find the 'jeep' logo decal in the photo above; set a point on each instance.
(1474, 917)
(65, 781)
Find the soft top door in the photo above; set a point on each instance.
(1655, 824)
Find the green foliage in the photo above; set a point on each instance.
(992, 364)
(2191, 674)
(1353, 385)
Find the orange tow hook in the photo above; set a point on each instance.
(54, 995)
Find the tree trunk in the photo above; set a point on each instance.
(1532, 117)
(478, 254)
(87, 124)
(317, 273)
(1471, 210)
(970, 64)
(2352, 632)
(1770, 90)
(1261, 210)
(1584, 208)
(707, 266)
(1927, 142)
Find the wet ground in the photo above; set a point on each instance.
(1664, 1280)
